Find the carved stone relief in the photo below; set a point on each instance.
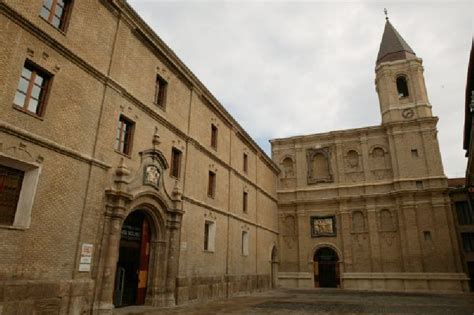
(319, 165)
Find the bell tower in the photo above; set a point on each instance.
(399, 79)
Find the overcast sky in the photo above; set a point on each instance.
(286, 68)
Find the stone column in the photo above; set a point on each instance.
(174, 229)
(110, 263)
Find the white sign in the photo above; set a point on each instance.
(84, 267)
(86, 257)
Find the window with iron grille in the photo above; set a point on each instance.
(213, 136)
(56, 12)
(175, 162)
(32, 88)
(123, 143)
(10, 186)
(160, 91)
(211, 187)
(468, 242)
(245, 201)
(464, 212)
(246, 163)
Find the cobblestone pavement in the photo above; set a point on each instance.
(323, 301)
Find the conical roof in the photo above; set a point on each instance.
(393, 46)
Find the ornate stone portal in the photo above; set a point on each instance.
(144, 191)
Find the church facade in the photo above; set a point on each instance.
(124, 181)
(368, 208)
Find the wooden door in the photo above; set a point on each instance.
(143, 265)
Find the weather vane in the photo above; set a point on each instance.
(386, 13)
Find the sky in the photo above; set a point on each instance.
(286, 68)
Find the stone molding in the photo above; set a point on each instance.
(49, 144)
(225, 213)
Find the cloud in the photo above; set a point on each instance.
(288, 68)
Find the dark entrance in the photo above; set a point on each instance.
(326, 268)
(470, 270)
(132, 267)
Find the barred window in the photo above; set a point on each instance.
(10, 186)
(32, 88)
(211, 185)
(214, 136)
(175, 162)
(464, 212)
(468, 242)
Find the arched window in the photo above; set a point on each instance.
(288, 168)
(402, 87)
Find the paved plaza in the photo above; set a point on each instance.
(324, 301)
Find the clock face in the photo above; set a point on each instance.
(408, 113)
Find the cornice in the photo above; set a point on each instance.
(54, 146)
(225, 213)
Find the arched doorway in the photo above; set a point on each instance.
(326, 268)
(132, 266)
(274, 271)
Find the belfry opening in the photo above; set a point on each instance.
(132, 266)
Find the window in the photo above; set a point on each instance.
(209, 235)
(32, 89)
(245, 243)
(464, 212)
(10, 186)
(245, 202)
(213, 136)
(123, 142)
(211, 187)
(467, 241)
(402, 87)
(419, 184)
(18, 182)
(175, 162)
(246, 163)
(160, 91)
(427, 235)
(56, 12)
(414, 152)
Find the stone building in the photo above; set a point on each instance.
(464, 224)
(122, 179)
(368, 208)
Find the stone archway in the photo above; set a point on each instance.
(131, 276)
(163, 212)
(326, 268)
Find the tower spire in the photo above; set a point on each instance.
(386, 13)
(393, 46)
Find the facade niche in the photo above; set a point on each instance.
(378, 156)
(319, 167)
(358, 222)
(352, 159)
(288, 170)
